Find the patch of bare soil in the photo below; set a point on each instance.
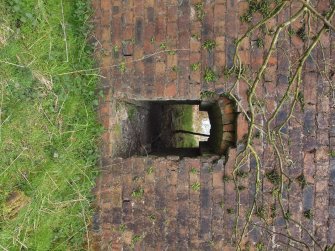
(14, 203)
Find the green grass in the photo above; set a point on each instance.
(185, 122)
(48, 126)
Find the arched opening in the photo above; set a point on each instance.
(182, 128)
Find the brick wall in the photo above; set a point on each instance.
(140, 28)
(158, 41)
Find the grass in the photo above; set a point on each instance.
(184, 113)
(48, 126)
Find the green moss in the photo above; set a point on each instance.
(259, 43)
(210, 75)
(135, 240)
(207, 95)
(290, 31)
(163, 46)
(152, 217)
(308, 214)
(287, 215)
(131, 112)
(302, 181)
(195, 66)
(264, 7)
(230, 210)
(122, 228)
(241, 187)
(176, 69)
(196, 37)
(209, 45)
(301, 33)
(196, 186)
(194, 170)
(122, 67)
(117, 130)
(273, 177)
(138, 193)
(260, 246)
(241, 174)
(150, 170)
(260, 212)
(199, 11)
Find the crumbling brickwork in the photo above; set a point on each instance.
(146, 49)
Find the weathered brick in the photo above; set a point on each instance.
(139, 31)
(242, 127)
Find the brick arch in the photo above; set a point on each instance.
(222, 115)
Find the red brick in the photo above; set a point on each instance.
(106, 5)
(172, 13)
(219, 28)
(105, 20)
(242, 127)
(195, 45)
(219, 12)
(128, 33)
(170, 90)
(220, 59)
(321, 186)
(160, 68)
(218, 180)
(220, 43)
(309, 167)
(196, 77)
(322, 154)
(229, 128)
(171, 61)
(171, 30)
